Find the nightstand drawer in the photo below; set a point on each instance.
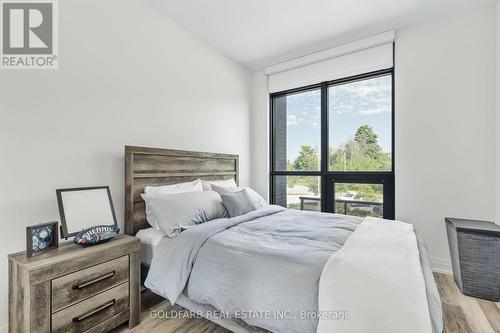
(88, 313)
(74, 287)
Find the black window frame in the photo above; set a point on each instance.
(329, 178)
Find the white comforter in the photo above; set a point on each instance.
(378, 279)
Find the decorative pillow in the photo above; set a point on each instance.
(96, 235)
(168, 189)
(257, 199)
(207, 184)
(238, 203)
(174, 212)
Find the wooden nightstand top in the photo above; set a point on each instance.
(71, 257)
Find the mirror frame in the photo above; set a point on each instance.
(64, 227)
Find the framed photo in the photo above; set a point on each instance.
(41, 238)
(84, 207)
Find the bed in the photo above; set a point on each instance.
(243, 263)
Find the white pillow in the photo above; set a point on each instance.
(175, 188)
(256, 198)
(174, 212)
(193, 186)
(207, 184)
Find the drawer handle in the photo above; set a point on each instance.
(94, 280)
(94, 311)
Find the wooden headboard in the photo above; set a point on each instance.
(155, 166)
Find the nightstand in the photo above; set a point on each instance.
(76, 289)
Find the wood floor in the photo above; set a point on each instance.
(152, 303)
(462, 314)
(466, 314)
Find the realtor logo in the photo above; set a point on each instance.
(29, 34)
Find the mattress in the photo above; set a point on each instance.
(149, 240)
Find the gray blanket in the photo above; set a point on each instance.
(262, 267)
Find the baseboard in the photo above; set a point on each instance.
(440, 265)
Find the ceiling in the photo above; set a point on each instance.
(259, 33)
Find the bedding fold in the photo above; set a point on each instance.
(377, 277)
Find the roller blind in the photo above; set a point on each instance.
(362, 56)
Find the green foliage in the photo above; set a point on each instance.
(361, 153)
(365, 192)
(367, 142)
(306, 160)
(312, 184)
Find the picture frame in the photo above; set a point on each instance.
(84, 207)
(41, 238)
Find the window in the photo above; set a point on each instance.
(360, 125)
(359, 199)
(297, 132)
(300, 192)
(332, 146)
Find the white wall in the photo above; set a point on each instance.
(445, 108)
(259, 141)
(497, 148)
(445, 111)
(137, 78)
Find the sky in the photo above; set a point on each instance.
(350, 106)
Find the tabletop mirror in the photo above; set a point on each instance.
(85, 207)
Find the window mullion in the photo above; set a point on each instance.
(324, 144)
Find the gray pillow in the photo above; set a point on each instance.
(254, 196)
(174, 212)
(238, 203)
